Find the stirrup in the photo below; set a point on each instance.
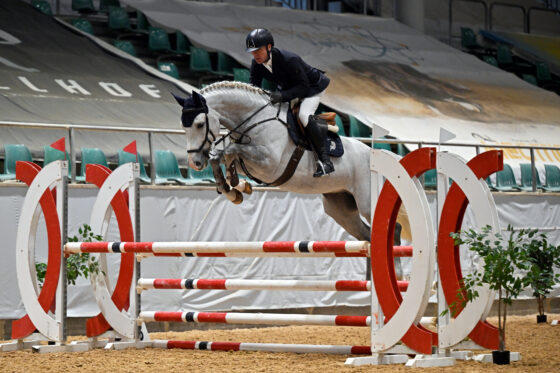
(323, 169)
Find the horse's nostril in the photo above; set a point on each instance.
(197, 164)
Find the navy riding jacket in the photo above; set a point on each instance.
(294, 77)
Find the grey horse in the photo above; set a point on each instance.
(264, 146)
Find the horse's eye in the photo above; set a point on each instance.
(199, 125)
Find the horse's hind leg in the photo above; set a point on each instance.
(343, 209)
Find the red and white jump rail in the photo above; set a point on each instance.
(287, 247)
(264, 347)
(241, 284)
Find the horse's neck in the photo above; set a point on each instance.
(234, 107)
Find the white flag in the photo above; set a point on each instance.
(445, 135)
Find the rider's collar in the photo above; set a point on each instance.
(193, 106)
(268, 63)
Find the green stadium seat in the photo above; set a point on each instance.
(503, 55)
(168, 68)
(141, 22)
(382, 145)
(43, 6)
(358, 129)
(125, 46)
(106, 5)
(490, 60)
(552, 174)
(340, 125)
(241, 75)
(402, 150)
(200, 60)
(12, 154)
(158, 40)
(527, 178)
(204, 176)
(182, 43)
(167, 168)
(83, 6)
(505, 180)
(83, 25)
(91, 156)
(468, 38)
(489, 183)
(125, 157)
(542, 72)
(118, 19)
(430, 179)
(530, 79)
(225, 64)
(51, 154)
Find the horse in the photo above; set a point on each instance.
(259, 141)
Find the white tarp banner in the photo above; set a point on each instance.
(384, 72)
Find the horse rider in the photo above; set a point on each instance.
(295, 79)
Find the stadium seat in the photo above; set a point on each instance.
(43, 6)
(141, 22)
(106, 5)
(83, 25)
(489, 183)
(402, 150)
(505, 180)
(430, 179)
(542, 72)
(490, 60)
(182, 43)
(468, 38)
(200, 60)
(530, 79)
(83, 6)
(382, 145)
(167, 168)
(340, 125)
(527, 177)
(552, 182)
(126, 46)
(168, 68)
(125, 157)
(225, 64)
(118, 19)
(12, 154)
(358, 129)
(51, 154)
(267, 85)
(90, 156)
(158, 40)
(241, 75)
(203, 176)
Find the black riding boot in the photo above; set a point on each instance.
(317, 133)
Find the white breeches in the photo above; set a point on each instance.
(308, 107)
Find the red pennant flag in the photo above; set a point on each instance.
(60, 145)
(131, 148)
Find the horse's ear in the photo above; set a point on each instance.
(180, 100)
(199, 101)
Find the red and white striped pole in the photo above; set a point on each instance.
(265, 347)
(254, 318)
(241, 284)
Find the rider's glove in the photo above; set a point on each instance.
(276, 97)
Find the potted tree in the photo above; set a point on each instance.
(503, 271)
(542, 258)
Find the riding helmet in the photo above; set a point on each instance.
(257, 38)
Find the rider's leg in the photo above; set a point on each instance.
(316, 133)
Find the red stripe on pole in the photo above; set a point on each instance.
(87, 247)
(351, 320)
(347, 285)
(168, 316)
(211, 284)
(403, 285)
(360, 350)
(329, 246)
(185, 345)
(138, 247)
(167, 283)
(219, 317)
(225, 346)
(402, 251)
(279, 247)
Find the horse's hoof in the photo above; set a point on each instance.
(238, 197)
(248, 188)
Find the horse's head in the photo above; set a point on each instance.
(201, 125)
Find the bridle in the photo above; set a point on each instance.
(208, 132)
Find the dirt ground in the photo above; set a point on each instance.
(538, 344)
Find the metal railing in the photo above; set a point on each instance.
(149, 132)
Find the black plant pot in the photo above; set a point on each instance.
(500, 357)
(541, 319)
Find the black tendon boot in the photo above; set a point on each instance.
(317, 133)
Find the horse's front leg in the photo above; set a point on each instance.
(232, 177)
(222, 187)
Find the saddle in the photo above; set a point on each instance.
(297, 133)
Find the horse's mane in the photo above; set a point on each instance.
(252, 91)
